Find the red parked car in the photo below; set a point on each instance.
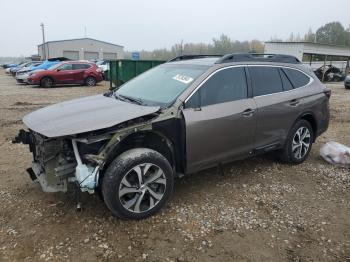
(72, 72)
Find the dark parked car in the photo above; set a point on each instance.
(347, 82)
(177, 118)
(332, 73)
(74, 72)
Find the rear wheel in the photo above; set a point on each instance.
(298, 144)
(46, 82)
(137, 184)
(90, 81)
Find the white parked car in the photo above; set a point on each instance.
(22, 76)
(103, 65)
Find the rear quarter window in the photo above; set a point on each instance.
(297, 78)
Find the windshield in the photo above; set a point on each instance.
(162, 84)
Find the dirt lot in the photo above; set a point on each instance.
(259, 210)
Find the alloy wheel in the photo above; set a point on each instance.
(48, 82)
(142, 188)
(301, 142)
(90, 81)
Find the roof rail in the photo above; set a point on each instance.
(188, 57)
(257, 57)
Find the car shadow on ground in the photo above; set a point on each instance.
(237, 173)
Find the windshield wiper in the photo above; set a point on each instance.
(117, 96)
(125, 98)
(129, 98)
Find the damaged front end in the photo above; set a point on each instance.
(58, 161)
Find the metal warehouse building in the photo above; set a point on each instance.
(81, 49)
(305, 51)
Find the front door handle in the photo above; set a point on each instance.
(248, 112)
(294, 102)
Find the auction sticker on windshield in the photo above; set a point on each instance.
(183, 79)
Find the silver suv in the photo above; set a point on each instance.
(191, 113)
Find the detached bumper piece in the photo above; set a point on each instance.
(23, 137)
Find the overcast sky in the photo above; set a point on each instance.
(150, 24)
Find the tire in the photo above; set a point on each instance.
(90, 81)
(295, 152)
(128, 197)
(335, 79)
(46, 82)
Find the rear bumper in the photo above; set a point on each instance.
(323, 123)
(99, 78)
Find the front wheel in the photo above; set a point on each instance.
(137, 184)
(298, 144)
(46, 82)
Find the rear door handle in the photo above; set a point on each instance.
(294, 102)
(248, 112)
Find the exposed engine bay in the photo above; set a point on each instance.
(56, 162)
(59, 162)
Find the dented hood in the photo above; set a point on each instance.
(83, 115)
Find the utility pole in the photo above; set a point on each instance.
(44, 47)
(181, 47)
(85, 35)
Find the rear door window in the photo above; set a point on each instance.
(297, 78)
(266, 80)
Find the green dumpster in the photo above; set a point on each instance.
(121, 71)
(106, 75)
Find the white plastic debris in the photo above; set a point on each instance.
(336, 153)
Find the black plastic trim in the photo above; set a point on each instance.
(245, 57)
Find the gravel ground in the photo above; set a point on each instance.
(258, 210)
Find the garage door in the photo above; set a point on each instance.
(90, 55)
(74, 55)
(110, 56)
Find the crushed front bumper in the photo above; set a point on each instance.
(56, 162)
(49, 167)
(49, 184)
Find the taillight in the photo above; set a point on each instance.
(328, 93)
